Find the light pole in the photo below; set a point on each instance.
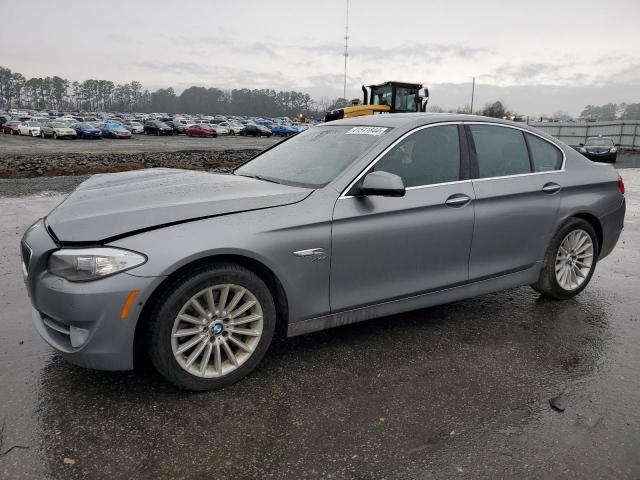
(473, 89)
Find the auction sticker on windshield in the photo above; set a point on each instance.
(367, 131)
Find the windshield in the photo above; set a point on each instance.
(57, 125)
(381, 95)
(599, 142)
(314, 157)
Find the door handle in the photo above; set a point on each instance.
(551, 188)
(457, 200)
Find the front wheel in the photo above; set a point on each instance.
(570, 260)
(211, 327)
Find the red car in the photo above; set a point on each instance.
(201, 130)
(11, 127)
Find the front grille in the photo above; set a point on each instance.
(26, 256)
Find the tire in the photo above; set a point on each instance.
(176, 300)
(550, 283)
(55, 136)
(42, 135)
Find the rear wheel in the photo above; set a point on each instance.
(570, 260)
(212, 327)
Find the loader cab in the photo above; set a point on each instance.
(401, 97)
(388, 97)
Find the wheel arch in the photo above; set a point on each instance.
(265, 273)
(595, 223)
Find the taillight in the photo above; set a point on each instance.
(621, 184)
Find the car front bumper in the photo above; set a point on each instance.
(601, 157)
(93, 310)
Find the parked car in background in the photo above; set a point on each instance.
(232, 127)
(87, 130)
(254, 130)
(12, 127)
(133, 126)
(29, 128)
(201, 130)
(57, 130)
(221, 130)
(114, 130)
(284, 130)
(179, 126)
(600, 149)
(156, 127)
(352, 220)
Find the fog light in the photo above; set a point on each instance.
(78, 336)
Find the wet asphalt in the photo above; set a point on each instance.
(455, 391)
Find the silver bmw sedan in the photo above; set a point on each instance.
(347, 221)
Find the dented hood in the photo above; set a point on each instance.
(113, 205)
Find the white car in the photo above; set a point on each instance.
(134, 126)
(232, 127)
(220, 129)
(29, 128)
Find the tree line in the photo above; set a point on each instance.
(610, 111)
(58, 93)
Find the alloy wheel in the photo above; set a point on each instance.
(217, 330)
(574, 259)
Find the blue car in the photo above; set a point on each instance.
(115, 130)
(87, 130)
(284, 130)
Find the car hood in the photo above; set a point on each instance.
(109, 206)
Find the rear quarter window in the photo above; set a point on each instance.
(545, 157)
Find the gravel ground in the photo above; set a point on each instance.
(24, 157)
(11, 145)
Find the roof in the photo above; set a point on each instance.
(416, 119)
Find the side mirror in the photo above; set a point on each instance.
(617, 145)
(582, 144)
(383, 184)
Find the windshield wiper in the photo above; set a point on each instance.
(258, 177)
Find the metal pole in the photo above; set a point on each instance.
(473, 90)
(346, 52)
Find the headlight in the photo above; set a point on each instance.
(613, 150)
(78, 265)
(583, 150)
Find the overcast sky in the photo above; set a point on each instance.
(537, 56)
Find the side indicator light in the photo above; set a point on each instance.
(128, 303)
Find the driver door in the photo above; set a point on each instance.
(386, 248)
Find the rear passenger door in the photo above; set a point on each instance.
(518, 176)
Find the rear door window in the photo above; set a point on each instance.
(545, 157)
(501, 151)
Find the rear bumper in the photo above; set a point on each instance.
(612, 225)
